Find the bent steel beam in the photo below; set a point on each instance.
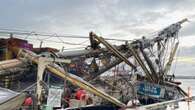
(114, 50)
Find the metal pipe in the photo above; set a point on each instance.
(150, 65)
(10, 64)
(169, 63)
(141, 63)
(114, 50)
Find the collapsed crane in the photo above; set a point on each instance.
(153, 82)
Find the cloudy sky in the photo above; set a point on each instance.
(124, 19)
(121, 19)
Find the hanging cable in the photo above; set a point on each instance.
(33, 33)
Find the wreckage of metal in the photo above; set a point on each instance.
(75, 80)
(166, 33)
(141, 43)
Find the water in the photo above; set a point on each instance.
(185, 84)
(185, 69)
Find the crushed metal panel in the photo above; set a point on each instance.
(10, 100)
(6, 94)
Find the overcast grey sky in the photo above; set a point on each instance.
(124, 19)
